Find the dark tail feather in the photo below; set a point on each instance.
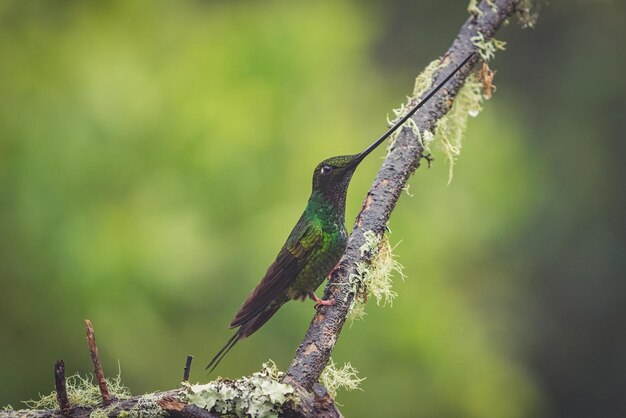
(257, 322)
(244, 331)
(220, 354)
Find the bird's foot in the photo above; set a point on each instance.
(320, 302)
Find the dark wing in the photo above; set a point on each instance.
(305, 239)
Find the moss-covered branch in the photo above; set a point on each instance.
(255, 396)
(262, 395)
(403, 159)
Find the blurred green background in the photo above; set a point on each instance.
(155, 155)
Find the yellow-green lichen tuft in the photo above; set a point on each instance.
(426, 139)
(407, 190)
(81, 391)
(259, 395)
(346, 378)
(410, 123)
(147, 406)
(102, 412)
(487, 48)
(472, 8)
(450, 128)
(423, 83)
(374, 279)
(356, 312)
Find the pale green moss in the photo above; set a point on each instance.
(334, 379)
(102, 412)
(423, 83)
(371, 242)
(81, 391)
(378, 282)
(147, 406)
(357, 311)
(259, 395)
(359, 288)
(410, 123)
(487, 48)
(450, 128)
(374, 279)
(472, 8)
(426, 139)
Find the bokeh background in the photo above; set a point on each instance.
(155, 155)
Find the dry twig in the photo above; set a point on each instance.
(95, 358)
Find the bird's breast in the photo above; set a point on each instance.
(320, 264)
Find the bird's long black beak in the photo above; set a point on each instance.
(360, 157)
(406, 117)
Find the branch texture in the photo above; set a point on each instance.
(173, 403)
(403, 159)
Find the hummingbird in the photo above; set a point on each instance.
(314, 246)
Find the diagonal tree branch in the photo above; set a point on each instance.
(403, 159)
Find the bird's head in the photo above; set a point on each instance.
(332, 176)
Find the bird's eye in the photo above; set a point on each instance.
(326, 169)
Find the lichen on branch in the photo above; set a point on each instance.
(487, 48)
(423, 83)
(345, 378)
(81, 390)
(451, 127)
(374, 279)
(259, 395)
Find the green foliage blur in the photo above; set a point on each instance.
(155, 155)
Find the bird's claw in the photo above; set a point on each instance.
(320, 302)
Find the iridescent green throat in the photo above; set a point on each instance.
(328, 213)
